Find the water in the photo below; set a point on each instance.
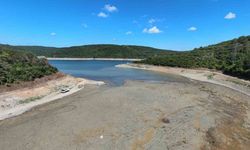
(106, 71)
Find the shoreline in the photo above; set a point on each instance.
(108, 59)
(19, 101)
(239, 85)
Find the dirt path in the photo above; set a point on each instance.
(135, 116)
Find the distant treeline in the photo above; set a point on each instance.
(232, 57)
(16, 66)
(92, 51)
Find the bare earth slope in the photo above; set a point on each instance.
(22, 97)
(138, 115)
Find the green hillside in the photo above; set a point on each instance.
(16, 66)
(232, 57)
(93, 51)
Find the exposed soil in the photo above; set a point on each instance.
(31, 84)
(230, 132)
(18, 100)
(136, 116)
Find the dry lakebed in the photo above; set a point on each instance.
(136, 116)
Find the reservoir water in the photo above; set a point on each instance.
(106, 71)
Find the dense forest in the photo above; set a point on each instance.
(16, 66)
(232, 57)
(93, 51)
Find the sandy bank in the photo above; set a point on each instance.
(203, 75)
(117, 59)
(18, 101)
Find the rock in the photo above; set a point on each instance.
(165, 120)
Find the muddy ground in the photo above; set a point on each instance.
(136, 116)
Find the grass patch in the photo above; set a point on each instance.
(211, 76)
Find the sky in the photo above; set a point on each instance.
(165, 24)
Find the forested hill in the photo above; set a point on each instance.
(16, 66)
(232, 57)
(93, 51)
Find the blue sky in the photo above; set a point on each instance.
(168, 24)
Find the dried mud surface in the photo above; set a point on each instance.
(136, 116)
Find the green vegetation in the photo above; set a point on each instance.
(16, 66)
(210, 76)
(232, 57)
(93, 51)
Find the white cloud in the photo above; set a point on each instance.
(151, 21)
(230, 15)
(154, 20)
(153, 30)
(110, 8)
(53, 34)
(129, 33)
(192, 29)
(102, 15)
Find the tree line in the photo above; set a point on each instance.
(17, 66)
(231, 57)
